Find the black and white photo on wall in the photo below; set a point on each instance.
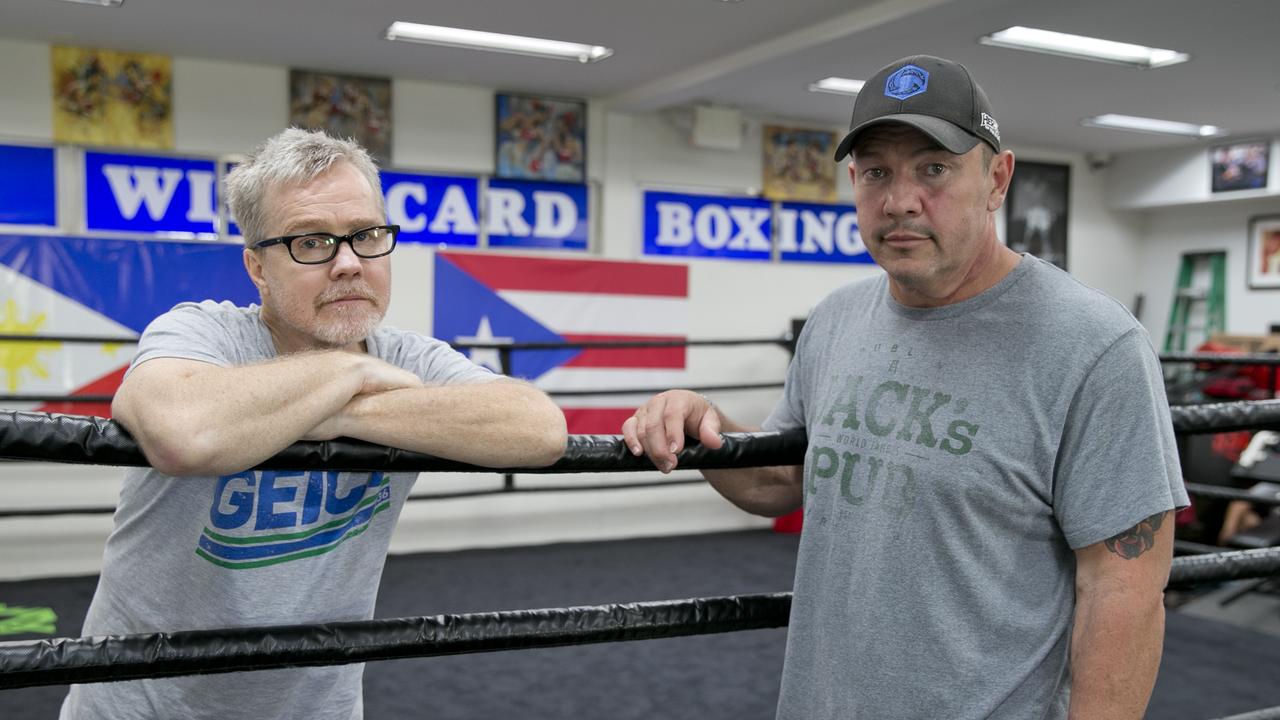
(1037, 207)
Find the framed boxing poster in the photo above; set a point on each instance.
(1038, 204)
(797, 164)
(1240, 166)
(1264, 252)
(540, 138)
(344, 106)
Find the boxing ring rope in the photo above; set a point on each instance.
(199, 652)
(74, 439)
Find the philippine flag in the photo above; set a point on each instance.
(490, 298)
(61, 286)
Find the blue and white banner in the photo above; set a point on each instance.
(705, 226)
(537, 215)
(149, 194)
(432, 209)
(28, 186)
(819, 233)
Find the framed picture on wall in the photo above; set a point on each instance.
(1037, 204)
(344, 106)
(797, 164)
(1264, 252)
(540, 138)
(1240, 166)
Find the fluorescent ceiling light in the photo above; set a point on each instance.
(1079, 46)
(103, 3)
(1151, 125)
(497, 42)
(837, 86)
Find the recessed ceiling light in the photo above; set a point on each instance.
(496, 42)
(1079, 46)
(837, 86)
(102, 3)
(1151, 125)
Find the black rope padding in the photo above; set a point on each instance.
(197, 652)
(1226, 417)
(783, 340)
(1227, 493)
(1236, 565)
(53, 437)
(1264, 714)
(200, 652)
(1211, 358)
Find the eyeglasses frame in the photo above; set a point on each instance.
(287, 241)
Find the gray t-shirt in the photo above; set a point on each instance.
(957, 456)
(251, 548)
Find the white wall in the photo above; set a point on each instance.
(226, 108)
(1205, 227)
(1167, 192)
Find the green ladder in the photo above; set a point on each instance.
(1189, 295)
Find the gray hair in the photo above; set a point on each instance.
(293, 157)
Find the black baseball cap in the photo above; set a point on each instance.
(936, 96)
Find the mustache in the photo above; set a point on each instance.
(914, 229)
(361, 291)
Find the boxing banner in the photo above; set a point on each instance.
(536, 215)
(432, 209)
(28, 186)
(808, 232)
(705, 226)
(150, 194)
(64, 286)
(489, 298)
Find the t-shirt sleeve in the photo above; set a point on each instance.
(187, 332)
(437, 363)
(1117, 462)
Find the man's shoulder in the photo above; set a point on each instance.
(207, 318)
(1075, 312)
(222, 311)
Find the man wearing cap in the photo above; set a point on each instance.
(991, 465)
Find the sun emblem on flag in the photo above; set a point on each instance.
(17, 356)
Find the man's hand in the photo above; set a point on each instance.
(380, 376)
(658, 429)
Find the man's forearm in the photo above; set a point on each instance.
(1115, 654)
(496, 424)
(767, 491)
(221, 420)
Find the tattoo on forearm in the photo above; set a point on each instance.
(1136, 540)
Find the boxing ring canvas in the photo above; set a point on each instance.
(1038, 205)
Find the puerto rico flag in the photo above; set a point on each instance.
(489, 298)
(99, 288)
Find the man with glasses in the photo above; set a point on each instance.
(201, 540)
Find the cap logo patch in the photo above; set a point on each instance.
(990, 125)
(906, 81)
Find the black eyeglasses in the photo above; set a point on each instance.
(320, 248)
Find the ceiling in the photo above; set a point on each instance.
(755, 55)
